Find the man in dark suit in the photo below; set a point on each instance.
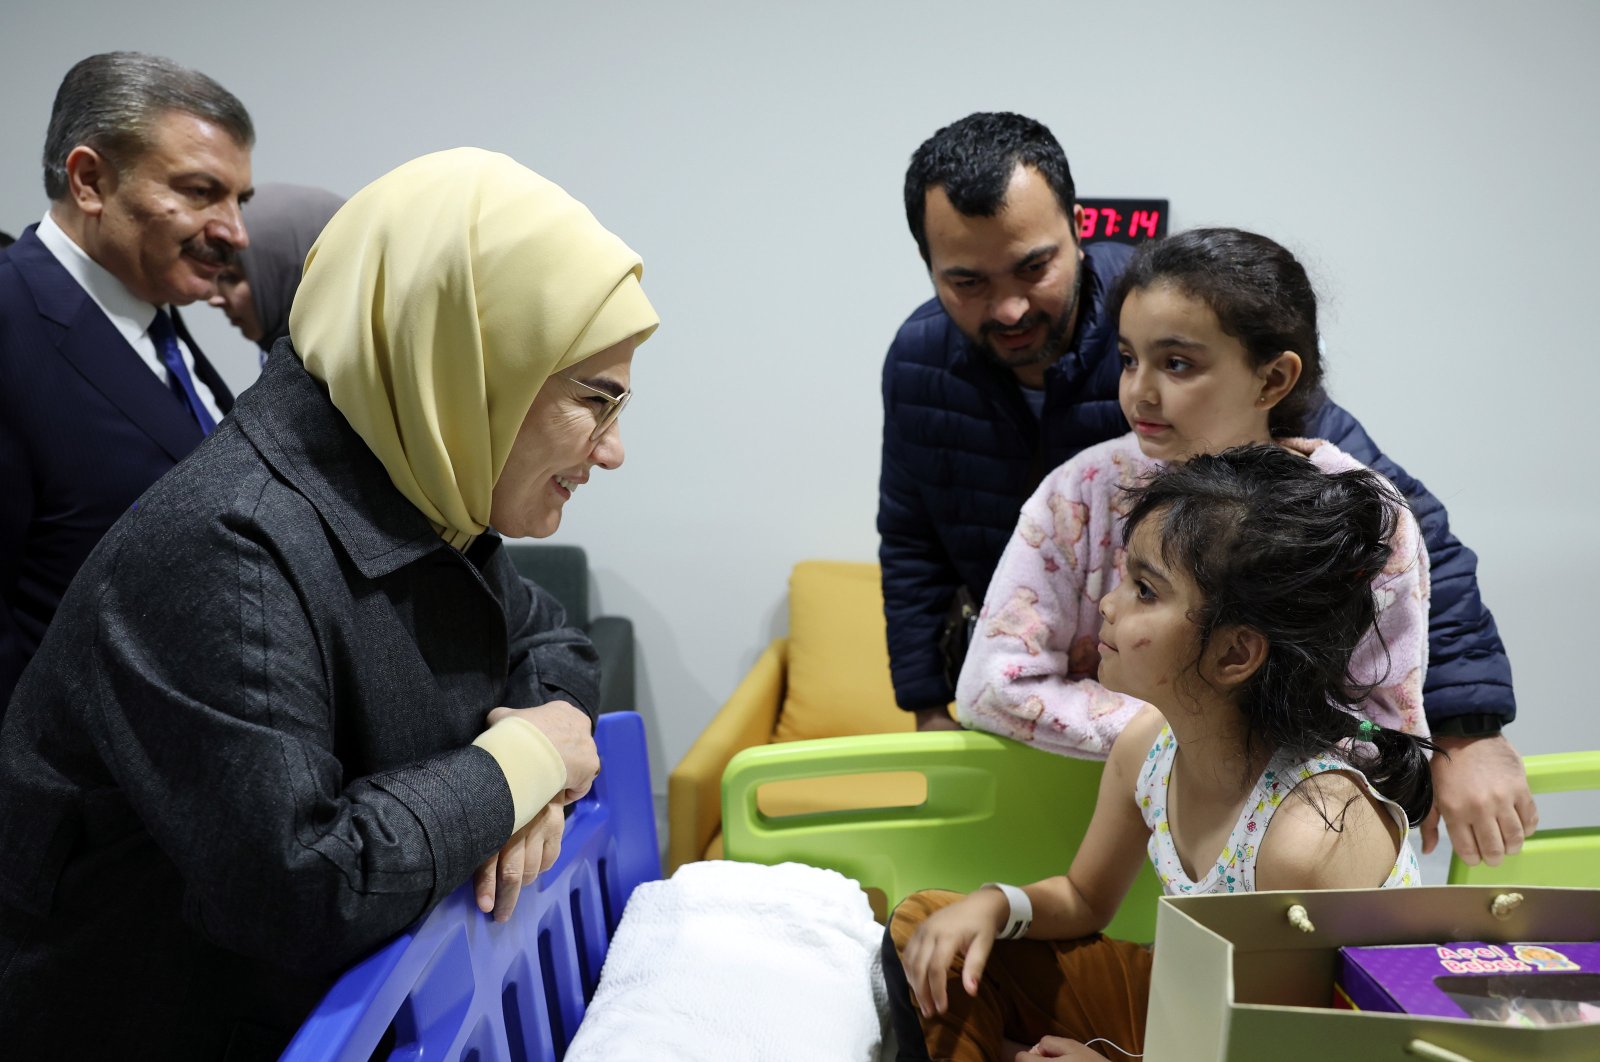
(102, 390)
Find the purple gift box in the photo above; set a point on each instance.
(1516, 984)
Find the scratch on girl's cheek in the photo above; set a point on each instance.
(1141, 643)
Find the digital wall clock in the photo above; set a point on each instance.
(1123, 220)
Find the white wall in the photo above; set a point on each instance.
(1433, 162)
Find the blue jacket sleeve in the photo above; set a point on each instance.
(1468, 672)
(919, 580)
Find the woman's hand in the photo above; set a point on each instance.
(570, 731)
(531, 851)
(965, 928)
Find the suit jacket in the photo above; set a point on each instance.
(85, 427)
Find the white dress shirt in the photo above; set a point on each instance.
(129, 314)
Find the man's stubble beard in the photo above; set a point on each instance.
(1056, 340)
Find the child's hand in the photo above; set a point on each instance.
(1058, 1047)
(965, 928)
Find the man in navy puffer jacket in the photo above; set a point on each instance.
(1013, 368)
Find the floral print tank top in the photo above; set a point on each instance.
(1234, 870)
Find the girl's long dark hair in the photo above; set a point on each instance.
(1277, 545)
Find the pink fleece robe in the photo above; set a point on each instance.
(1030, 672)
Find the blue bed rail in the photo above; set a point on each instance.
(457, 985)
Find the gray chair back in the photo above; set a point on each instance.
(560, 569)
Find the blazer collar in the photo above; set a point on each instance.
(130, 314)
(288, 417)
(92, 344)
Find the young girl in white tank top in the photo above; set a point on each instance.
(1248, 586)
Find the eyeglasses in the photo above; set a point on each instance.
(615, 404)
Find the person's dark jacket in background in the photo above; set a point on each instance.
(242, 757)
(85, 427)
(962, 452)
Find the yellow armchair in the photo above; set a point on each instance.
(694, 788)
(828, 678)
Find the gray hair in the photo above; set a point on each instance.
(109, 102)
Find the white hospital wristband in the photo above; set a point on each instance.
(1021, 916)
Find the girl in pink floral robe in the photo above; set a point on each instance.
(1219, 348)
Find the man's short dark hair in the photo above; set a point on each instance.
(973, 161)
(6, 239)
(109, 102)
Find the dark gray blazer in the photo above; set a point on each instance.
(242, 755)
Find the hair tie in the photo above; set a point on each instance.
(1368, 731)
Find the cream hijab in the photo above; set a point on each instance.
(437, 302)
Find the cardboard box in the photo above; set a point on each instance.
(1233, 979)
(1528, 983)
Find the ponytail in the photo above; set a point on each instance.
(1397, 766)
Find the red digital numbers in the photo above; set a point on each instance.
(1093, 217)
(1146, 219)
(1123, 220)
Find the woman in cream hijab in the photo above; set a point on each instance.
(299, 694)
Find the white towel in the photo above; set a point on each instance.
(740, 961)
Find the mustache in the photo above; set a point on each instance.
(215, 252)
(989, 328)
